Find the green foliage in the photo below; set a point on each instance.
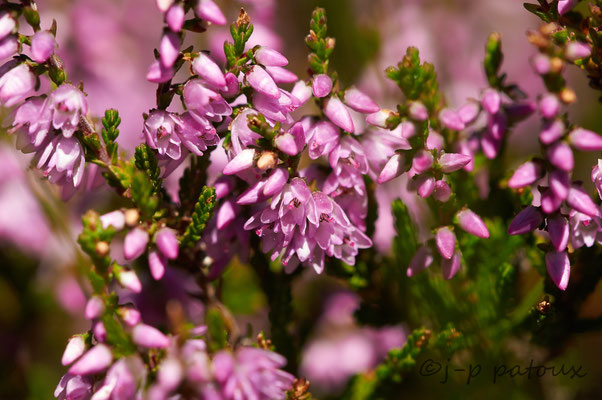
(216, 328)
(319, 44)
(241, 31)
(417, 81)
(493, 60)
(404, 243)
(191, 182)
(142, 190)
(109, 132)
(202, 212)
(146, 161)
(92, 234)
(116, 336)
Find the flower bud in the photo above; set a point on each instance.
(94, 308)
(550, 203)
(449, 267)
(75, 348)
(322, 85)
(359, 101)
(568, 95)
(527, 220)
(100, 332)
(301, 91)
(422, 161)
(157, 73)
(16, 83)
(262, 82)
(451, 120)
(527, 174)
(129, 280)
(169, 49)
(490, 145)
(225, 214)
(434, 141)
(446, 242)
(207, 69)
(209, 11)
(97, 359)
(560, 155)
(270, 57)
(132, 217)
(116, 219)
(560, 183)
(149, 337)
(580, 201)
(286, 143)
(8, 47)
(232, 88)
(241, 162)
(392, 169)
(585, 140)
(163, 5)
(450, 162)
(425, 185)
(167, 242)
(558, 229)
(281, 75)
(408, 129)
(275, 182)
(421, 260)
(175, 17)
(549, 105)
(156, 264)
(491, 101)
(252, 195)
(577, 50)
(564, 6)
(541, 64)
(552, 132)
(129, 315)
(135, 243)
(442, 191)
(418, 111)
(267, 160)
(170, 374)
(472, 223)
(42, 46)
(336, 111)
(102, 248)
(468, 112)
(559, 268)
(379, 118)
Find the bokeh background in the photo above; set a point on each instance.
(108, 45)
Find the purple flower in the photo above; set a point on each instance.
(74, 387)
(322, 85)
(160, 131)
(552, 131)
(135, 243)
(36, 114)
(527, 220)
(207, 69)
(585, 140)
(392, 169)
(42, 46)
(558, 229)
(175, 17)
(564, 6)
(446, 242)
(169, 49)
(122, 379)
(270, 57)
(577, 50)
(262, 82)
(276, 109)
(597, 177)
(559, 268)
(584, 230)
(94, 308)
(7, 24)
(491, 101)
(149, 337)
(158, 73)
(560, 155)
(472, 223)
(251, 373)
(16, 83)
(63, 161)
(359, 101)
(69, 105)
(549, 105)
(336, 111)
(8, 46)
(451, 119)
(167, 242)
(75, 348)
(95, 360)
(348, 161)
(421, 260)
(449, 267)
(208, 10)
(450, 162)
(527, 174)
(322, 138)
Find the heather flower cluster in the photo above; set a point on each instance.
(285, 174)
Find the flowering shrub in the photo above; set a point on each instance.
(288, 176)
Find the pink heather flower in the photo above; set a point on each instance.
(135, 243)
(129, 315)
(36, 114)
(207, 69)
(232, 85)
(69, 106)
(7, 24)
(446, 242)
(552, 131)
(560, 183)
(559, 268)
(160, 132)
(450, 162)
(353, 200)
(597, 177)
(359, 101)
(449, 267)
(421, 260)
(275, 182)
(422, 161)
(550, 203)
(227, 213)
(116, 219)
(74, 387)
(95, 360)
(560, 155)
(392, 169)
(336, 111)
(175, 17)
(276, 109)
(157, 73)
(541, 64)
(129, 280)
(491, 101)
(75, 348)
(584, 230)
(42, 46)
(418, 111)
(63, 161)
(322, 85)
(167, 242)
(163, 5)
(270, 57)
(451, 120)
(8, 46)
(490, 145)
(580, 201)
(348, 161)
(558, 229)
(577, 50)
(302, 91)
(208, 10)
(549, 105)
(472, 223)
(196, 134)
(585, 140)
(170, 374)
(425, 185)
(16, 83)
(519, 111)
(322, 138)
(469, 112)
(169, 49)
(281, 75)
(149, 337)
(527, 174)
(204, 103)
(379, 118)
(100, 332)
(527, 220)
(262, 82)
(94, 308)
(122, 379)
(496, 125)
(442, 191)
(157, 263)
(242, 161)
(251, 373)
(564, 6)
(435, 141)
(286, 143)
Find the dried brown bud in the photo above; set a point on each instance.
(549, 28)
(132, 216)
(243, 18)
(263, 342)
(544, 306)
(556, 65)
(300, 388)
(330, 42)
(568, 96)
(267, 160)
(537, 39)
(102, 248)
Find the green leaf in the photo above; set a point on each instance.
(202, 212)
(142, 194)
(493, 59)
(216, 328)
(405, 243)
(147, 161)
